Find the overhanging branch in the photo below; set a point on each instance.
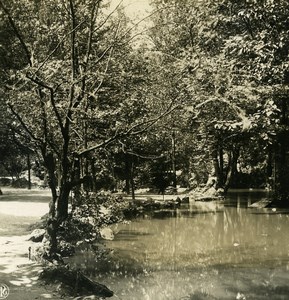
(240, 113)
(151, 122)
(100, 145)
(133, 130)
(19, 118)
(52, 100)
(17, 33)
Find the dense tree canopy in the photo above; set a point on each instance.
(232, 59)
(204, 94)
(76, 86)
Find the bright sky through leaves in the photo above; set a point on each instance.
(135, 9)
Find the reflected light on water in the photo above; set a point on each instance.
(219, 250)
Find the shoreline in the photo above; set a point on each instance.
(20, 274)
(17, 272)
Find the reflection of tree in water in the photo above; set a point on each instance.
(188, 251)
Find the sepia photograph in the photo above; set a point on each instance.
(144, 149)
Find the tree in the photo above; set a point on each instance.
(184, 34)
(68, 91)
(232, 57)
(258, 40)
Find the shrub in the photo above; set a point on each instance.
(4, 181)
(85, 221)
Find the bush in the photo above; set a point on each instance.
(4, 181)
(85, 221)
(20, 183)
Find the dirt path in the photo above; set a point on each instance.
(21, 274)
(16, 270)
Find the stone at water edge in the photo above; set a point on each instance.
(106, 233)
(263, 203)
(37, 235)
(185, 199)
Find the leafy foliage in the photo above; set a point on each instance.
(85, 221)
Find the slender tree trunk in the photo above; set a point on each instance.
(77, 188)
(269, 171)
(29, 171)
(174, 159)
(127, 173)
(132, 181)
(93, 172)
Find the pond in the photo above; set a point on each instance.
(198, 251)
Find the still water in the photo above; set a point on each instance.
(199, 251)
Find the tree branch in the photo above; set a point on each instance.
(74, 60)
(239, 112)
(45, 124)
(109, 15)
(152, 157)
(18, 117)
(57, 46)
(93, 15)
(151, 122)
(52, 100)
(17, 33)
(98, 146)
(131, 132)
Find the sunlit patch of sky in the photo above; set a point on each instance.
(138, 12)
(135, 9)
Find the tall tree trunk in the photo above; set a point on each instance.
(52, 181)
(63, 201)
(52, 225)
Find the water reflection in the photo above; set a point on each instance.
(244, 198)
(216, 249)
